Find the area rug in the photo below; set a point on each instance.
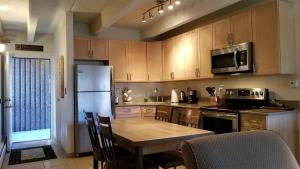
(26, 155)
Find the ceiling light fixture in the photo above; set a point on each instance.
(161, 9)
(144, 19)
(170, 7)
(160, 4)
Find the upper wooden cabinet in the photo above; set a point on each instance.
(274, 41)
(118, 59)
(174, 54)
(154, 61)
(128, 59)
(205, 47)
(81, 48)
(137, 61)
(90, 49)
(192, 54)
(167, 46)
(233, 30)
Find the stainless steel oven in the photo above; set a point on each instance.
(233, 59)
(220, 122)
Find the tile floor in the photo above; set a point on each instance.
(62, 161)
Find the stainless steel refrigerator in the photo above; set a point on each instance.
(93, 93)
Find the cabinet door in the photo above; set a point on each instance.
(168, 46)
(154, 61)
(179, 58)
(266, 38)
(205, 47)
(128, 112)
(99, 49)
(137, 61)
(118, 59)
(192, 55)
(81, 48)
(221, 33)
(241, 27)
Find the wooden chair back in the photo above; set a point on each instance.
(163, 113)
(107, 141)
(93, 134)
(189, 117)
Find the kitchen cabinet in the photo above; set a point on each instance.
(81, 48)
(274, 38)
(137, 61)
(168, 46)
(148, 111)
(128, 59)
(283, 122)
(191, 53)
(174, 58)
(90, 49)
(128, 112)
(154, 61)
(118, 59)
(233, 30)
(205, 47)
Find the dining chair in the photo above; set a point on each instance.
(170, 159)
(93, 133)
(163, 113)
(249, 150)
(109, 153)
(189, 117)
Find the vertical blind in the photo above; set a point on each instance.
(31, 93)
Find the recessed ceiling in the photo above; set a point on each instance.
(134, 18)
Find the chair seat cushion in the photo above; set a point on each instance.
(167, 159)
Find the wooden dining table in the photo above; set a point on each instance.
(148, 136)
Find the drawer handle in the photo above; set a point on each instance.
(149, 110)
(253, 121)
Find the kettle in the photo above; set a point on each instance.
(182, 98)
(174, 96)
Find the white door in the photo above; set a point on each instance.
(7, 103)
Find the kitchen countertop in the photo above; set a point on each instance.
(267, 111)
(264, 111)
(181, 105)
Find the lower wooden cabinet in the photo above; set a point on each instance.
(283, 123)
(148, 111)
(128, 112)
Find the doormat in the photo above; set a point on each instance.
(26, 155)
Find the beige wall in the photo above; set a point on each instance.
(63, 42)
(278, 85)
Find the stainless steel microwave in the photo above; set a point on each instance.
(233, 59)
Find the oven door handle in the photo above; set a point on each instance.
(220, 115)
(235, 55)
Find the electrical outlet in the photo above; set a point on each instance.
(294, 84)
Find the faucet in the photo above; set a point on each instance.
(156, 92)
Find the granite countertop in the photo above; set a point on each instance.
(182, 105)
(264, 111)
(267, 111)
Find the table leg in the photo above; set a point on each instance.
(139, 157)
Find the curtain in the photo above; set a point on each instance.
(31, 93)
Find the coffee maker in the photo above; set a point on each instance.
(192, 97)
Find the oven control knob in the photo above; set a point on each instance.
(257, 93)
(261, 93)
(252, 93)
(230, 93)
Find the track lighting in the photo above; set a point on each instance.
(160, 4)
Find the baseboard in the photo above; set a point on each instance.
(3, 152)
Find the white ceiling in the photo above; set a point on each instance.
(15, 13)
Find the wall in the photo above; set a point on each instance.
(82, 30)
(279, 85)
(63, 42)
